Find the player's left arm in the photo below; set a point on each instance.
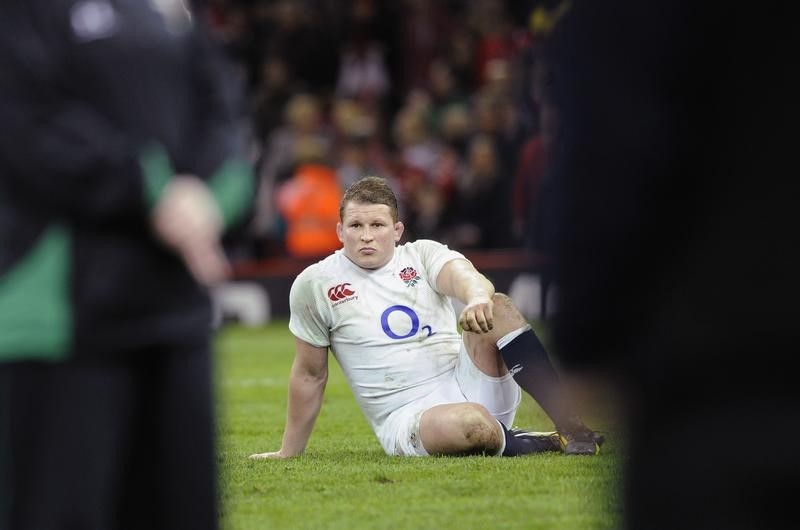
(460, 279)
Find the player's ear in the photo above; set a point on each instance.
(398, 230)
(340, 231)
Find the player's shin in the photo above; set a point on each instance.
(529, 363)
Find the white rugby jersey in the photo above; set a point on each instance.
(392, 333)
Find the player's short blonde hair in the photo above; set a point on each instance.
(372, 190)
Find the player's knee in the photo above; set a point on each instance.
(506, 314)
(479, 428)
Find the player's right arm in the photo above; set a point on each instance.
(460, 279)
(307, 382)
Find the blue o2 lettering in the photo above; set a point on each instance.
(408, 311)
(411, 314)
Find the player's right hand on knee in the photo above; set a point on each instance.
(477, 315)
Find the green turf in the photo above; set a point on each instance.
(345, 481)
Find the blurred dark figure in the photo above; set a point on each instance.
(678, 259)
(120, 170)
(530, 177)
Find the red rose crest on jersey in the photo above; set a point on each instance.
(341, 293)
(410, 276)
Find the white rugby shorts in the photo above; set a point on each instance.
(500, 395)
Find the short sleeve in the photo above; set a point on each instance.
(434, 256)
(305, 320)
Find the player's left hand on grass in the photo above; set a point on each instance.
(273, 455)
(477, 316)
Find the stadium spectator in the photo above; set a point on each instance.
(426, 26)
(423, 160)
(425, 212)
(124, 168)
(385, 313)
(460, 55)
(444, 93)
(445, 71)
(353, 159)
(495, 43)
(479, 187)
(309, 202)
(270, 97)
(456, 129)
(303, 122)
(305, 37)
(494, 116)
(364, 72)
(360, 147)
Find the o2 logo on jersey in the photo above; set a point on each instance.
(340, 292)
(394, 324)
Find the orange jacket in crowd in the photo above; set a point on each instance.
(309, 203)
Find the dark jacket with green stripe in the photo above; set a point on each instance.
(101, 102)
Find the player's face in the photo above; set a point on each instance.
(368, 234)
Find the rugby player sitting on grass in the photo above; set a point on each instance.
(385, 313)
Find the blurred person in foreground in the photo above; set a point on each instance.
(676, 270)
(385, 313)
(120, 170)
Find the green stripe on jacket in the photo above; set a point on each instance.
(35, 316)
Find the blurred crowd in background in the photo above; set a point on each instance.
(447, 99)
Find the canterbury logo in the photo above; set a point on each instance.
(339, 292)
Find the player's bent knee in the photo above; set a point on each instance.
(479, 429)
(506, 315)
(460, 429)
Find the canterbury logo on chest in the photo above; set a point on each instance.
(341, 293)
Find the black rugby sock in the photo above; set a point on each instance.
(528, 362)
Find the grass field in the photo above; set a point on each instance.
(345, 481)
